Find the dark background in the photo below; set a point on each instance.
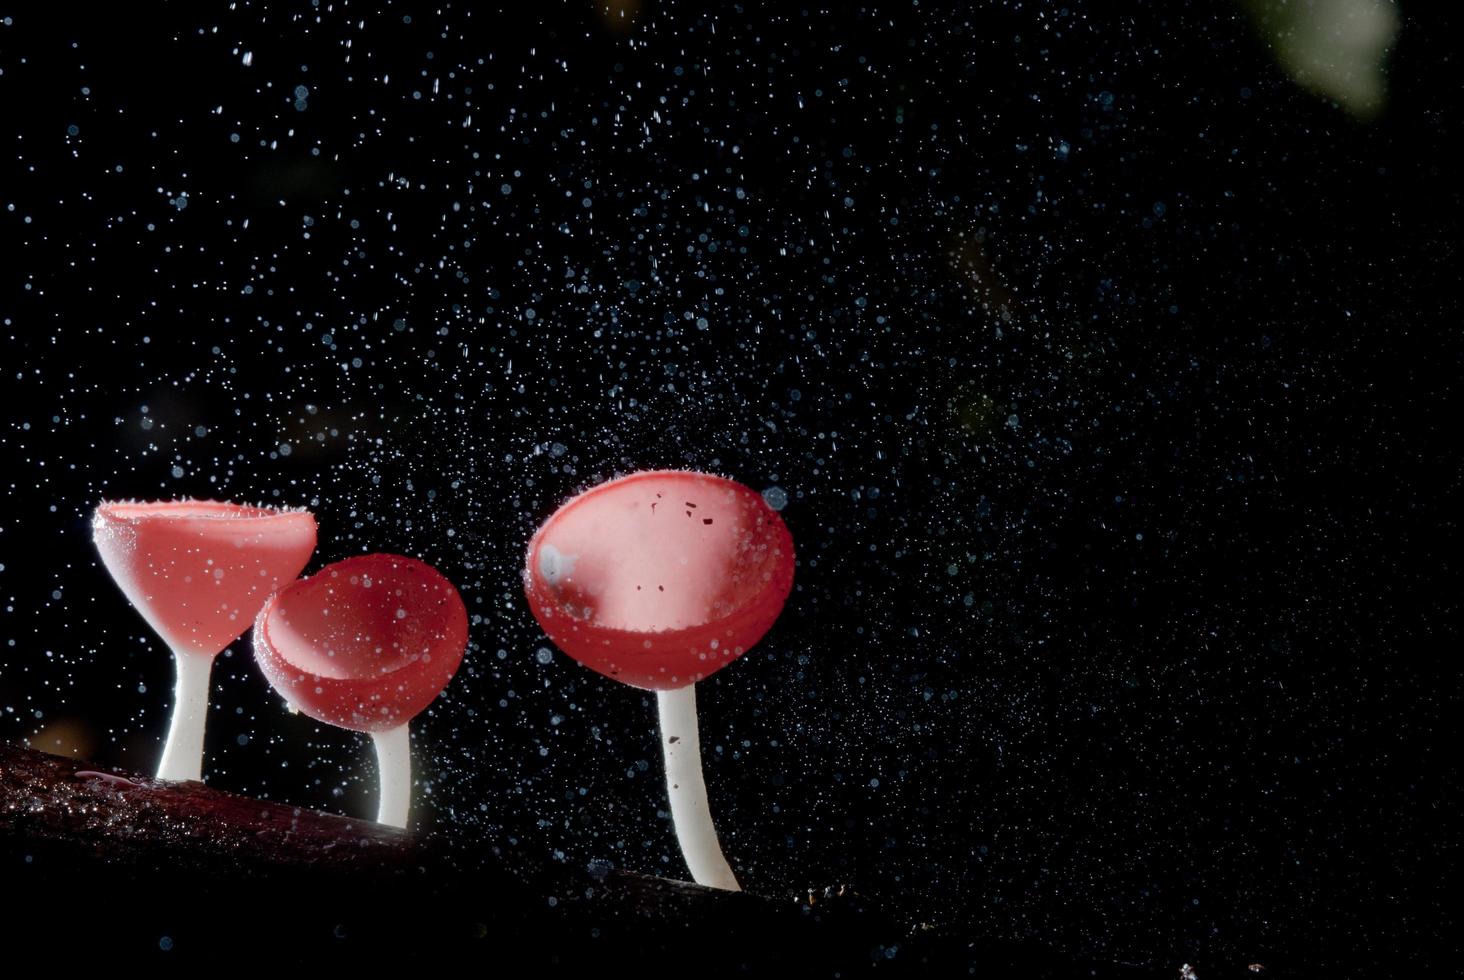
(1107, 373)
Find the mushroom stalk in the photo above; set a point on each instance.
(183, 751)
(687, 789)
(394, 760)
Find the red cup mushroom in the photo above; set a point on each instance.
(198, 571)
(366, 644)
(659, 579)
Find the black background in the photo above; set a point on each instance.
(1107, 373)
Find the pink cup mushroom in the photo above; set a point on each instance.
(659, 579)
(366, 644)
(198, 571)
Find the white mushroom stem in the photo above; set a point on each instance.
(183, 752)
(394, 761)
(688, 791)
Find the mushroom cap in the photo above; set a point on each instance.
(199, 570)
(366, 643)
(660, 578)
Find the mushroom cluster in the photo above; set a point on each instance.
(365, 644)
(658, 580)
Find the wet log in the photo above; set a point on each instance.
(131, 864)
(121, 862)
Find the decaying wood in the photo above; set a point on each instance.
(141, 864)
(118, 862)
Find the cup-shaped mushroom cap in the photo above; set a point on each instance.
(199, 570)
(366, 643)
(659, 579)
